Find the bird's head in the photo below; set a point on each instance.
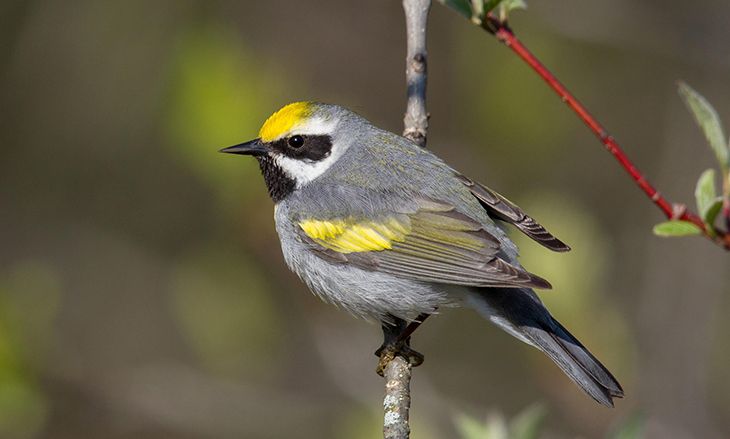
(297, 144)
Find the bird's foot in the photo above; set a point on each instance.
(388, 352)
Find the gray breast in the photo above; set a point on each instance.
(367, 294)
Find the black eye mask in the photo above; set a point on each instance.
(301, 147)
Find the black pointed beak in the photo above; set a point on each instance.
(255, 147)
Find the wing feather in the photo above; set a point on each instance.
(435, 243)
(501, 208)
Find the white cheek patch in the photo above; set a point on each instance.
(304, 171)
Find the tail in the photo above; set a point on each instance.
(520, 313)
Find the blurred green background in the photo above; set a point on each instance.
(142, 289)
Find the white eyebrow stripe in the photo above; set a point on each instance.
(313, 127)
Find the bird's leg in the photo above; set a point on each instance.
(397, 342)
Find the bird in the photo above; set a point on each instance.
(386, 230)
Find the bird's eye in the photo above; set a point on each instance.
(296, 141)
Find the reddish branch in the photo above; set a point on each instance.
(504, 34)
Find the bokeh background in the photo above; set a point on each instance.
(142, 289)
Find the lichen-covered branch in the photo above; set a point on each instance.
(397, 373)
(397, 401)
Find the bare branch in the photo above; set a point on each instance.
(397, 373)
(416, 116)
(397, 401)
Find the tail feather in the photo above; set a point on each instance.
(520, 313)
(578, 363)
(590, 363)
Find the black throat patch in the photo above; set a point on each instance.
(277, 182)
(307, 148)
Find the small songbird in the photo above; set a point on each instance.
(386, 230)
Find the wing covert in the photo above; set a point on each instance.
(435, 243)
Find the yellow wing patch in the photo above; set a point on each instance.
(350, 236)
(284, 120)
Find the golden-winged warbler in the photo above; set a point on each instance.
(386, 230)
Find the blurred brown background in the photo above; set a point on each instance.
(142, 289)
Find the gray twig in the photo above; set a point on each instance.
(397, 400)
(416, 117)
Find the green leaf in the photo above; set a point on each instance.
(705, 193)
(494, 428)
(527, 424)
(709, 122)
(506, 6)
(633, 428)
(463, 7)
(478, 11)
(489, 5)
(712, 211)
(503, 7)
(470, 428)
(676, 228)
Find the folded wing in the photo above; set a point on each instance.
(501, 208)
(435, 243)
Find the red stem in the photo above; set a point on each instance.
(726, 198)
(504, 34)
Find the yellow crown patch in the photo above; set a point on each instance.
(284, 120)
